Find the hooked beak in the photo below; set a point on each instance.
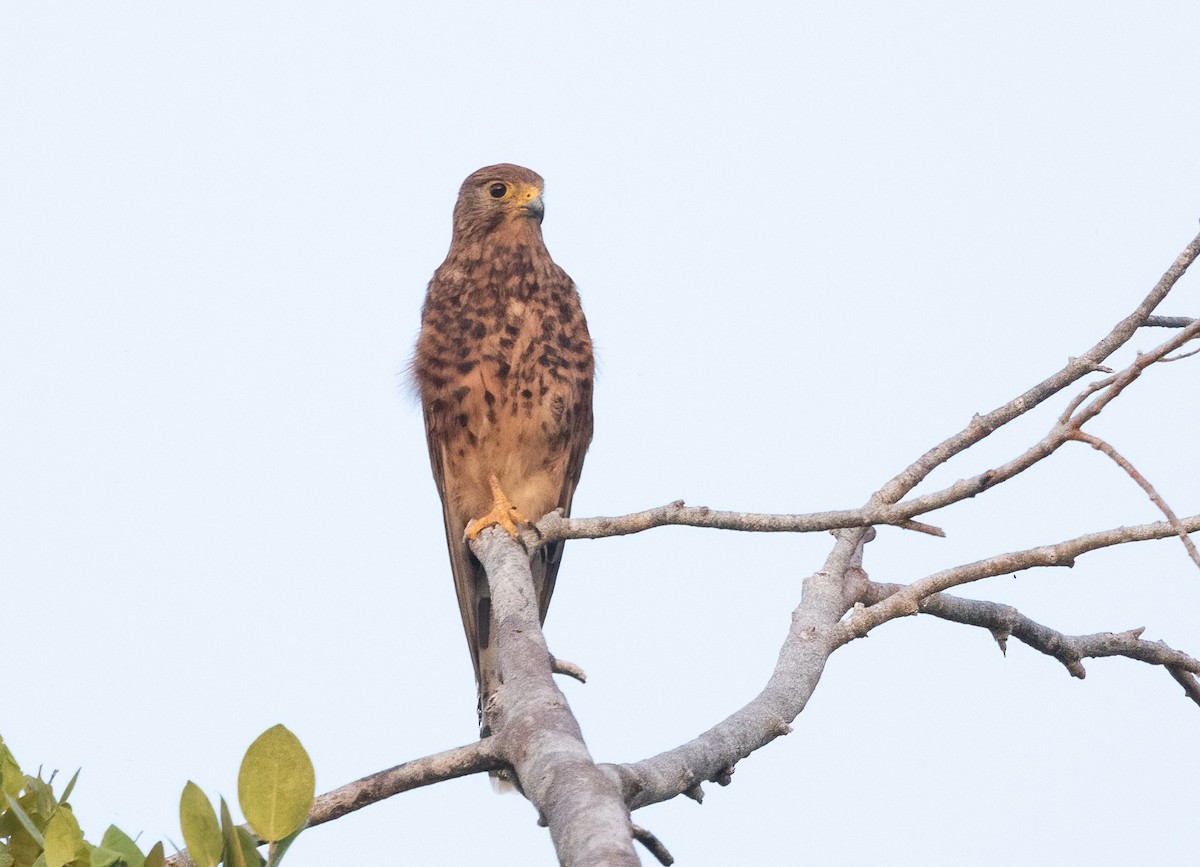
(536, 208)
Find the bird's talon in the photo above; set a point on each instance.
(503, 514)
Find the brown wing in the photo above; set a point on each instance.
(470, 580)
(550, 556)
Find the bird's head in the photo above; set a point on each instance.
(501, 198)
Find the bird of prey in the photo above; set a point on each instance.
(504, 368)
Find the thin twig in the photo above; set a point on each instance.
(1187, 680)
(653, 845)
(1181, 356)
(1144, 483)
(570, 669)
(1169, 321)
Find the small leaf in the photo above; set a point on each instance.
(6, 858)
(276, 784)
(70, 788)
(25, 821)
(155, 857)
(234, 856)
(116, 840)
(63, 838)
(105, 857)
(250, 848)
(201, 833)
(38, 800)
(12, 781)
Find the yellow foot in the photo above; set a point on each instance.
(503, 514)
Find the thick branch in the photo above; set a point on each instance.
(535, 730)
(810, 640)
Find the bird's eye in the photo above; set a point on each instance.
(498, 191)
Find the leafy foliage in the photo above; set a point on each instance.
(276, 785)
(38, 829)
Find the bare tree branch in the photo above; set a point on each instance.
(1181, 356)
(1188, 681)
(907, 600)
(534, 728)
(586, 806)
(653, 845)
(554, 526)
(983, 426)
(1169, 321)
(1004, 621)
(459, 762)
(1102, 446)
(813, 636)
(883, 507)
(1112, 387)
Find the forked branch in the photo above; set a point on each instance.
(1004, 621)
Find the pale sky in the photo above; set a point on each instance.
(811, 241)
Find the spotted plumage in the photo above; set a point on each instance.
(504, 368)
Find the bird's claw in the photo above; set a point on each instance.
(503, 514)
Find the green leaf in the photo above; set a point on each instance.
(101, 856)
(234, 856)
(116, 840)
(12, 781)
(63, 838)
(250, 846)
(155, 857)
(6, 858)
(25, 821)
(276, 784)
(201, 833)
(70, 788)
(38, 800)
(278, 850)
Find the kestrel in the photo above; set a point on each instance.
(504, 367)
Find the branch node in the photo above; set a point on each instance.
(723, 777)
(563, 666)
(653, 845)
(921, 527)
(1001, 635)
(696, 792)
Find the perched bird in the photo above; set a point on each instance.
(504, 368)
